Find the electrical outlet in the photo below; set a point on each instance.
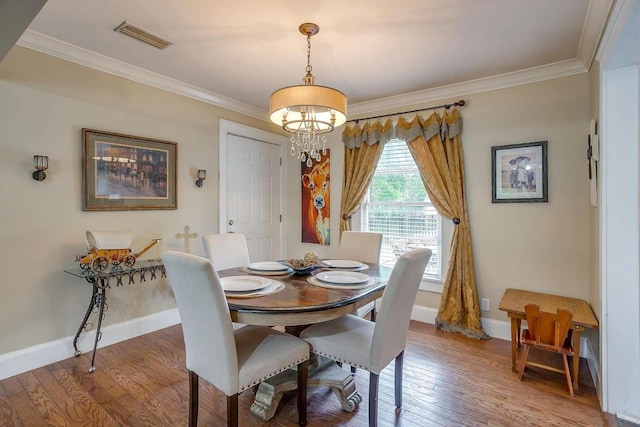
(484, 305)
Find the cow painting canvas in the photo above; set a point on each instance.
(315, 201)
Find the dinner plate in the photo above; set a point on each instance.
(342, 277)
(244, 283)
(267, 266)
(342, 263)
(273, 287)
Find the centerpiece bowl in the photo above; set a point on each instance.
(304, 265)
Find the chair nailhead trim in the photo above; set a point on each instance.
(273, 373)
(341, 360)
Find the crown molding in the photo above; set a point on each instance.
(68, 52)
(593, 28)
(502, 81)
(621, 14)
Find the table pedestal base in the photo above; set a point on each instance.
(322, 372)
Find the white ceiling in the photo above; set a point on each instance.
(236, 53)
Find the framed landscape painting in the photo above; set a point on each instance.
(125, 172)
(519, 173)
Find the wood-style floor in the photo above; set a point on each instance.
(449, 381)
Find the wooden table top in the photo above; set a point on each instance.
(514, 301)
(299, 296)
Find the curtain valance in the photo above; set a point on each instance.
(370, 133)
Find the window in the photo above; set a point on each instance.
(397, 205)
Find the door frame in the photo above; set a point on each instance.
(619, 212)
(226, 128)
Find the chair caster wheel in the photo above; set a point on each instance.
(92, 369)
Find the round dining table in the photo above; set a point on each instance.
(299, 304)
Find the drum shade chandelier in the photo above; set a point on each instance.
(308, 111)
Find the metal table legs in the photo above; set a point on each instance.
(96, 303)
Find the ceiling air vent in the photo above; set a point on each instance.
(142, 35)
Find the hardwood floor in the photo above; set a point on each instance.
(449, 380)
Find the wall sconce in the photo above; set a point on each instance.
(41, 163)
(202, 175)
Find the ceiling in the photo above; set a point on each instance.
(381, 54)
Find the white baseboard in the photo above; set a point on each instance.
(29, 358)
(628, 418)
(594, 365)
(500, 329)
(39, 355)
(493, 328)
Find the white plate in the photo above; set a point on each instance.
(272, 288)
(342, 263)
(267, 266)
(244, 283)
(342, 277)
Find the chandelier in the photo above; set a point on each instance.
(308, 111)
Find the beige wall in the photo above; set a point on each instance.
(537, 246)
(44, 104)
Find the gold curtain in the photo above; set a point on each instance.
(362, 150)
(436, 147)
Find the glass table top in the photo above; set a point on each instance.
(113, 270)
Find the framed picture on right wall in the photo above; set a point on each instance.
(519, 173)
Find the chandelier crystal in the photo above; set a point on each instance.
(308, 111)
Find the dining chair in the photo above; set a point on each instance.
(365, 247)
(371, 346)
(227, 250)
(549, 332)
(231, 360)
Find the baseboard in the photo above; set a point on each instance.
(500, 329)
(39, 355)
(594, 365)
(493, 328)
(634, 420)
(29, 358)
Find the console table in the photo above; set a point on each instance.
(118, 275)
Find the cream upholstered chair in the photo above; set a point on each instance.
(364, 247)
(360, 246)
(232, 361)
(371, 346)
(226, 250)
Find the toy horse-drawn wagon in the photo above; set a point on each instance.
(110, 248)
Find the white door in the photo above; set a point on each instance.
(253, 196)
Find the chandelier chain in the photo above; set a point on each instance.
(308, 69)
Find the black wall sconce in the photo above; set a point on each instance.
(41, 163)
(202, 175)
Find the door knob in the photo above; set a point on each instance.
(230, 222)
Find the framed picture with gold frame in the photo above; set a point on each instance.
(125, 172)
(519, 173)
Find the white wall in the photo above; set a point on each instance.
(619, 57)
(621, 250)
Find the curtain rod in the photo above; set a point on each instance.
(459, 103)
